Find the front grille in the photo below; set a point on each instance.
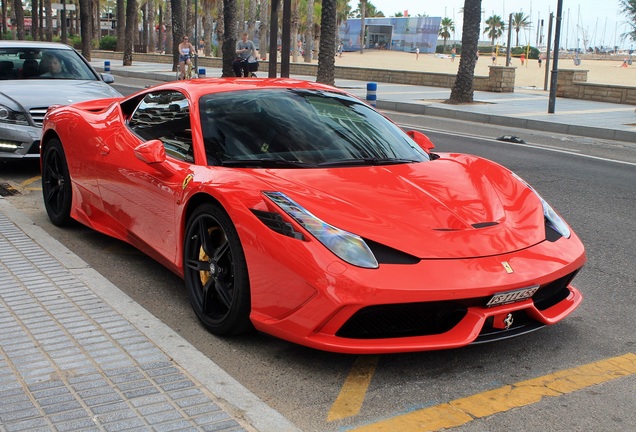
(521, 324)
(37, 114)
(553, 292)
(403, 320)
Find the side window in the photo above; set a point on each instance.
(165, 115)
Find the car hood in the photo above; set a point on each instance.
(44, 93)
(454, 207)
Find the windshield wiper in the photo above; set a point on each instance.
(264, 163)
(367, 161)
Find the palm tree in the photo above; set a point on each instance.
(86, 29)
(35, 27)
(363, 11)
(131, 29)
(48, 29)
(263, 29)
(121, 27)
(494, 27)
(309, 30)
(326, 57)
(446, 27)
(19, 18)
(229, 36)
(462, 91)
(177, 21)
(295, 25)
(520, 21)
(628, 7)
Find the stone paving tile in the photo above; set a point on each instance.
(68, 361)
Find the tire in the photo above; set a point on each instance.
(56, 183)
(215, 272)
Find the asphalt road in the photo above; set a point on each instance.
(590, 182)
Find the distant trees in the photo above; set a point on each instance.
(520, 21)
(447, 26)
(628, 7)
(494, 27)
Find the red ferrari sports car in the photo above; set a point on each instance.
(299, 210)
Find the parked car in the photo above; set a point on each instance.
(28, 87)
(299, 210)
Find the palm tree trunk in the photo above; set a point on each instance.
(178, 29)
(263, 29)
(229, 36)
(326, 57)
(131, 29)
(19, 19)
(151, 26)
(363, 11)
(462, 91)
(295, 23)
(86, 27)
(48, 30)
(220, 28)
(309, 31)
(121, 25)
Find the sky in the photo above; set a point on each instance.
(596, 21)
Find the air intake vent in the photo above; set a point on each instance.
(275, 222)
(484, 224)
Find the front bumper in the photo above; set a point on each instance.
(19, 141)
(435, 304)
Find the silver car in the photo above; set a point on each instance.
(34, 76)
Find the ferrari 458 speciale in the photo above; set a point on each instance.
(299, 210)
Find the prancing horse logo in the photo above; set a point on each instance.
(508, 321)
(507, 267)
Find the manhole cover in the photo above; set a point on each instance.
(7, 190)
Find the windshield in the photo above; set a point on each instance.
(294, 128)
(43, 63)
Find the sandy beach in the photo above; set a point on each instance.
(528, 75)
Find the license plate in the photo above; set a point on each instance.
(512, 296)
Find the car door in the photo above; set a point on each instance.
(139, 196)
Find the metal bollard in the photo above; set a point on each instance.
(107, 66)
(201, 72)
(371, 96)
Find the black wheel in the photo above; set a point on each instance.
(56, 183)
(215, 272)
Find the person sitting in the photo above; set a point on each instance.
(244, 49)
(54, 67)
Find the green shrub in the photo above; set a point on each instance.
(108, 43)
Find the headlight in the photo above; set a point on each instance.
(349, 247)
(555, 221)
(7, 115)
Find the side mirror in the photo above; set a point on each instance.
(154, 154)
(107, 78)
(421, 140)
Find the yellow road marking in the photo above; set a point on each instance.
(31, 180)
(462, 411)
(349, 401)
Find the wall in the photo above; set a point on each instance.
(501, 79)
(572, 83)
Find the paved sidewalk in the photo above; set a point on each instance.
(78, 354)
(524, 108)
